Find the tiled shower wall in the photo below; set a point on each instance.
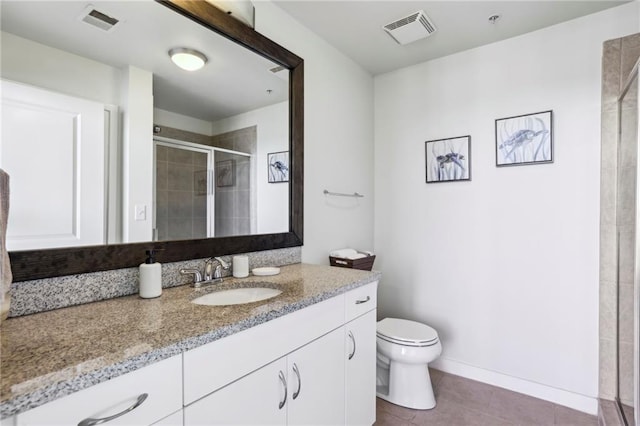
(617, 207)
(234, 204)
(181, 209)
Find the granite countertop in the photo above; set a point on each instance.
(49, 355)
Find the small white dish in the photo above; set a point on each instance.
(263, 272)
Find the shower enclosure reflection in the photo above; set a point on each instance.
(204, 191)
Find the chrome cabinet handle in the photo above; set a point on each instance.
(353, 339)
(295, 370)
(284, 383)
(361, 301)
(91, 422)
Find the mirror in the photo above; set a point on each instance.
(211, 137)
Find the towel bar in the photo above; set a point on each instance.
(340, 194)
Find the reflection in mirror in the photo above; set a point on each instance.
(107, 141)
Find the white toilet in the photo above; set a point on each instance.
(404, 350)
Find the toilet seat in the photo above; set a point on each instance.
(406, 333)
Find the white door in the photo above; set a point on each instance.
(259, 398)
(52, 146)
(360, 371)
(316, 382)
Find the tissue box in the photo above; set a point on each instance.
(365, 264)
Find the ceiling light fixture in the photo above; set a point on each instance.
(187, 59)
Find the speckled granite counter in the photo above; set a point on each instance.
(52, 354)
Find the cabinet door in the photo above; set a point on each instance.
(316, 382)
(259, 398)
(360, 370)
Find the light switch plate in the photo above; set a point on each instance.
(141, 212)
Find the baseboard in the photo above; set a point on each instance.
(548, 393)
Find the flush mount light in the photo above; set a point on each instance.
(187, 59)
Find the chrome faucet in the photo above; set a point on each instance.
(222, 264)
(211, 275)
(208, 269)
(197, 276)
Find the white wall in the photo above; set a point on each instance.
(505, 267)
(338, 133)
(54, 69)
(130, 89)
(272, 199)
(163, 117)
(138, 159)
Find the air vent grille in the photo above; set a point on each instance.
(427, 24)
(98, 19)
(402, 22)
(410, 28)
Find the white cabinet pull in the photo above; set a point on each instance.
(91, 422)
(353, 339)
(284, 383)
(295, 370)
(361, 301)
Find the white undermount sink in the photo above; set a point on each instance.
(236, 296)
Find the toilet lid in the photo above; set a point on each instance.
(406, 332)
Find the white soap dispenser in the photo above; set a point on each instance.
(150, 277)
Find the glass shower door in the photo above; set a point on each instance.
(628, 252)
(183, 192)
(232, 193)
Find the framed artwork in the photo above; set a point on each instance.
(524, 139)
(278, 166)
(225, 173)
(448, 160)
(200, 178)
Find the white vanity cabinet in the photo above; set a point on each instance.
(175, 419)
(360, 363)
(304, 387)
(360, 370)
(121, 399)
(313, 366)
(256, 399)
(316, 382)
(325, 373)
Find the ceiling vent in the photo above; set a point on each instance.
(410, 28)
(281, 72)
(98, 19)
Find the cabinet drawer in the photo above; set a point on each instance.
(162, 382)
(361, 300)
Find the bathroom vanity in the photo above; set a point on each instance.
(304, 356)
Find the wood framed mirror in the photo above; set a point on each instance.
(45, 263)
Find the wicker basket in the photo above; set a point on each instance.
(365, 264)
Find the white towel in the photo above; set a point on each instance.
(345, 253)
(357, 256)
(5, 266)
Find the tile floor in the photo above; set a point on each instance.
(464, 402)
